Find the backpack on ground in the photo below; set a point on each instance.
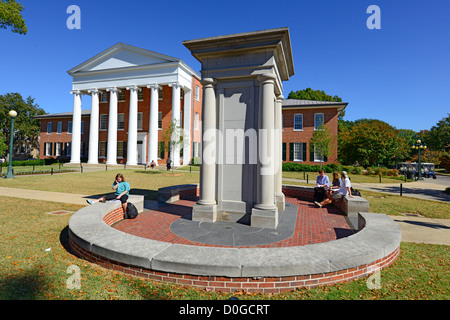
(355, 192)
(132, 212)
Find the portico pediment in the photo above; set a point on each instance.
(122, 56)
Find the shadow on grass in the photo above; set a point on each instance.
(21, 287)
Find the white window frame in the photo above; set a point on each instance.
(197, 93)
(301, 121)
(197, 121)
(140, 120)
(58, 149)
(49, 127)
(298, 150)
(59, 127)
(121, 121)
(47, 149)
(316, 126)
(159, 120)
(69, 127)
(105, 116)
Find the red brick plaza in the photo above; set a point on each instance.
(313, 224)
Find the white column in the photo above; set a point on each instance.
(93, 131)
(266, 154)
(76, 127)
(111, 157)
(187, 115)
(265, 212)
(132, 126)
(153, 124)
(176, 119)
(208, 166)
(279, 196)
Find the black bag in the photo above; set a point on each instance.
(132, 212)
(319, 194)
(355, 192)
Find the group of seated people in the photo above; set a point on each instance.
(325, 194)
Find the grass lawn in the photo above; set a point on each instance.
(35, 259)
(34, 254)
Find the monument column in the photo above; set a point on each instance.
(206, 208)
(153, 124)
(176, 109)
(76, 127)
(111, 157)
(265, 212)
(93, 131)
(279, 196)
(132, 126)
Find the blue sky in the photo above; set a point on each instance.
(399, 74)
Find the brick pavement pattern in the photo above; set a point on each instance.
(313, 224)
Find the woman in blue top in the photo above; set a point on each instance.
(122, 191)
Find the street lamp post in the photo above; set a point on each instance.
(418, 146)
(9, 174)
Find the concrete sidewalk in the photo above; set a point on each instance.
(414, 229)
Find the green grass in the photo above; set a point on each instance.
(28, 271)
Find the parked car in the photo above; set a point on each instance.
(411, 170)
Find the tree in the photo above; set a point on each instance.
(320, 142)
(171, 138)
(26, 127)
(310, 94)
(372, 142)
(438, 137)
(11, 17)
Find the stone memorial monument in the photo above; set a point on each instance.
(241, 174)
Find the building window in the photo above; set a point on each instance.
(318, 120)
(102, 149)
(59, 127)
(141, 94)
(120, 121)
(49, 128)
(196, 149)
(197, 121)
(82, 127)
(161, 150)
(160, 93)
(197, 93)
(121, 95)
(69, 127)
(103, 122)
(58, 149)
(298, 122)
(139, 123)
(121, 149)
(104, 97)
(48, 149)
(160, 120)
(297, 151)
(68, 149)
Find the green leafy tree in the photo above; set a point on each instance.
(320, 142)
(26, 128)
(171, 138)
(11, 16)
(438, 137)
(372, 142)
(310, 94)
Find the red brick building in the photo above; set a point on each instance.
(136, 94)
(300, 119)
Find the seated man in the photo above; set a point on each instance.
(345, 189)
(322, 184)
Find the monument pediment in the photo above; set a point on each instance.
(122, 56)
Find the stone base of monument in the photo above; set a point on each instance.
(264, 218)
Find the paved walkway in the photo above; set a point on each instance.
(414, 229)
